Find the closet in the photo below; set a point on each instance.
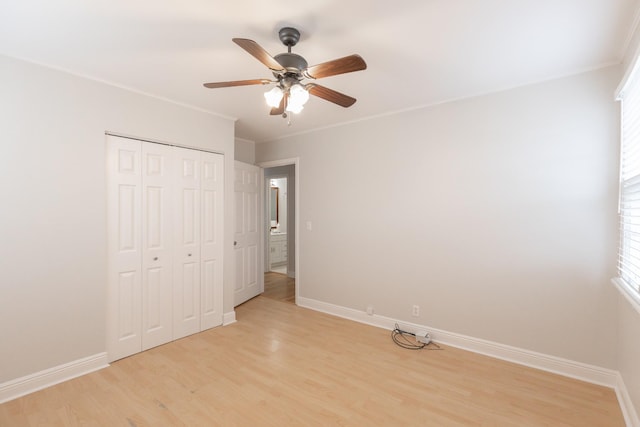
(165, 230)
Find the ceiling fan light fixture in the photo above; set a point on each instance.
(298, 95)
(294, 108)
(273, 97)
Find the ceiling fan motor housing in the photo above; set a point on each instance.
(292, 62)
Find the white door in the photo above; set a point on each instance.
(165, 255)
(198, 250)
(124, 294)
(212, 239)
(247, 236)
(157, 244)
(186, 272)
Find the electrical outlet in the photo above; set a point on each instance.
(415, 311)
(370, 310)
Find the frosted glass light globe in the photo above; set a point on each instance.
(273, 97)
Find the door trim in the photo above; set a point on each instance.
(296, 174)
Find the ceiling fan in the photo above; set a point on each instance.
(290, 70)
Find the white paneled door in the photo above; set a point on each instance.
(248, 235)
(165, 227)
(124, 276)
(157, 244)
(187, 264)
(212, 244)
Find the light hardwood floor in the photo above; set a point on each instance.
(282, 365)
(279, 287)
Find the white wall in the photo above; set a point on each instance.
(52, 215)
(245, 151)
(496, 215)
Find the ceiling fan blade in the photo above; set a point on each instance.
(279, 110)
(344, 65)
(237, 83)
(331, 95)
(259, 53)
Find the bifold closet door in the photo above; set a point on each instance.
(140, 246)
(165, 230)
(157, 244)
(124, 222)
(212, 236)
(197, 282)
(186, 272)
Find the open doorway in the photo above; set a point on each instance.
(280, 232)
(277, 208)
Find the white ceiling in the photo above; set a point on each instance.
(418, 52)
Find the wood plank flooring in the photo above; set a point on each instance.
(283, 365)
(279, 287)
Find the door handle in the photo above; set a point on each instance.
(188, 254)
(155, 258)
(235, 243)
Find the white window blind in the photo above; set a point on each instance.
(629, 256)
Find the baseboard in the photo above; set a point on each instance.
(626, 405)
(557, 365)
(229, 318)
(28, 384)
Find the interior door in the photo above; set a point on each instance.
(186, 272)
(247, 236)
(212, 239)
(157, 244)
(124, 294)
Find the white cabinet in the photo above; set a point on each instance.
(278, 249)
(165, 212)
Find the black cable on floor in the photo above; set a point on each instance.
(400, 337)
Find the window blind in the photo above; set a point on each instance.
(629, 254)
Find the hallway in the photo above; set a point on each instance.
(279, 287)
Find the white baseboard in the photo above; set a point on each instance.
(229, 318)
(628, 410)
(556, 365)
(28, 384)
